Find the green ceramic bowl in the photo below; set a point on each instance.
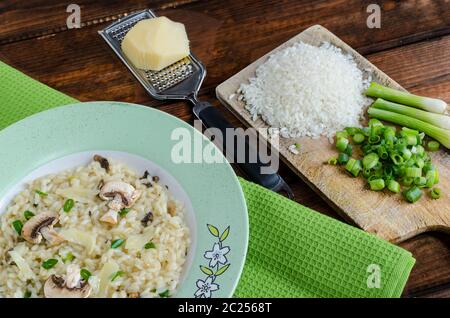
(143, 138)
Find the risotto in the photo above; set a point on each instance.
(99, 230)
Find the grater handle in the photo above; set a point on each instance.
(211, 117)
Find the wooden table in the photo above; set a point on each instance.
(412, 46)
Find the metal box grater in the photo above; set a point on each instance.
(177, 81)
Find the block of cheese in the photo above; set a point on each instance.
(154, 44)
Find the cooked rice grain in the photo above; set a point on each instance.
(147, 272)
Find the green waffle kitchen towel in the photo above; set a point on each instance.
(293, 251)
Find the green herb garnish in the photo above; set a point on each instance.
(164, 294)
(18, 225)
(27, 294)
(117, 243)
(149, 245)
(68, 205)
(68, 258)
(28, 214)
(116, 275)
(85, 274)
(49, 263)
(124, 212)
(41, 193)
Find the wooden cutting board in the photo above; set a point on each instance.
(382, 213)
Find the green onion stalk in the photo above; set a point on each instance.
(440, 134)
(426, 103)
(442, 121)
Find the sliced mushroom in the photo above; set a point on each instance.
(41, 225)
(116, 203)
(104, 163)
(126, 191)
(70, 286)
(120, 195)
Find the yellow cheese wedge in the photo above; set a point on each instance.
(154, 44)
(80, 237)
(105, 276)
(137, 242)
(24, 268)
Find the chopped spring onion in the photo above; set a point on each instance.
(412, 172)
(27, 294)
(164, 294)
(117, 243)
(358, 138)
(393, 186)
(50, 263)
(332, 161)
(390, 156)
(349, 150)
(117, 274)
(407, 181)
(124, 212)
(396, 159)
(341, 144)
(18, 225)
(341, 134)
(149, 245)
(68, 205)
(439, 120)
(343, 158)
(373, 123)
(370, 160)
(68, 258)
(433, 145)
(376, 184)
(440, 134)
(432, 177)
(353, 166)
(420, 181)
(382, 153)
(429, 104)
(41, 193)
(413, 194)
(352, 130)
(85, 274)
(28, 215)
(435, 193)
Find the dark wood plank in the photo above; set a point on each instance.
(21, 20)
(431, 275)
(26, 19)
(228, 38)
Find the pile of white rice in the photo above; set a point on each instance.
(305, 90)
(145, 273)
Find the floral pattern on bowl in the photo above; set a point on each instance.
(217, 263)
